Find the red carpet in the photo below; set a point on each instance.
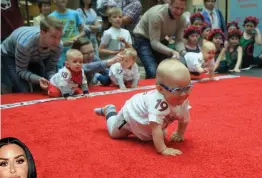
(223, 138)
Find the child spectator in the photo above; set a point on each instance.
(191, 34)
(202, 62)
(218, 38)
(115, 39)
(197, 20)
(147, 115)
(232, 25)
(45, 9)
(205, 30)
(73, 28)
(126, 70)
(230, 57)
(92, 23)
(250, 36)
(68, 79)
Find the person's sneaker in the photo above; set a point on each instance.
(95, 78)
(104, 110)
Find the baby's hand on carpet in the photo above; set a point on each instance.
(87, 95)
(123, 88)
(70, 98)
(134, 86)
(171, 152)
(214, 79)
(177, 137)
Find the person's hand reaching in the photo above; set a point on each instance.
(175, 55)
(43, 83)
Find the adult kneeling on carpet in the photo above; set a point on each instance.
(149, 35)
(30, 54)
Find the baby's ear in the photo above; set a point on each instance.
(66, 63)
(159, 88)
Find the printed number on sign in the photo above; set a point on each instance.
(161, 105)
(64, 74)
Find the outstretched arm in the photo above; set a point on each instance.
(158, 139)
(182, 127)
(239, 59)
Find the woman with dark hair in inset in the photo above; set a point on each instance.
(92, 23)
(16, 159)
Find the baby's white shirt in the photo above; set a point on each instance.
(63, 81)
(152, 106)
(195, 59)
(117, 72)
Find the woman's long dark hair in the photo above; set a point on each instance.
(31, 163)
(82, 6)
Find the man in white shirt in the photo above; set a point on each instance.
(213, 15)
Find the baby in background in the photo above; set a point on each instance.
(126, 70)
(147, 115)
(70, 79)
(202, 62)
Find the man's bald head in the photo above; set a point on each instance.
(172, 72)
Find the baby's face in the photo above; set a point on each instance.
(75, 63)
(182, 87)
(127, 62)
(209, 54)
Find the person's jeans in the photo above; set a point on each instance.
(95, 44)
(11, 79)
(148, 56)
(104, 78)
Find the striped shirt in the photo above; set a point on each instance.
(23, 45)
